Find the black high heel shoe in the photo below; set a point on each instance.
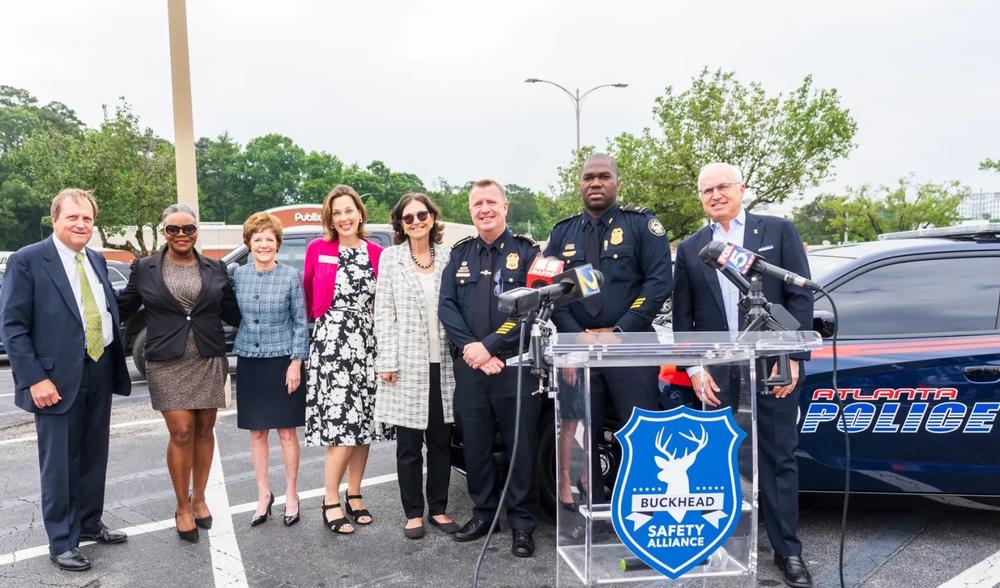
(261, 519)
(203, 522)
(191, 535)
(290, 520)
(358, 513)
(573, 506)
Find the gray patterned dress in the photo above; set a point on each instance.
(189, 382)
(340, 387)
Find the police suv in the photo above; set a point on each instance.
(918, 365)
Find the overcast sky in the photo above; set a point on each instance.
(436, 87)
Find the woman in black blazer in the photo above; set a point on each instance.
(186, 298)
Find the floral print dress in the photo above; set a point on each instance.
(340, 393)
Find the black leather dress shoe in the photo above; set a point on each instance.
(793, 570)
(472, 530)
(71, 561)
(522, 543)
(105, 535)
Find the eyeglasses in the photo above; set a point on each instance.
(174, 230)
(421, 216)
(723, 187)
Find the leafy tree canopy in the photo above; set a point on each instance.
(865, 212)
(782, 143)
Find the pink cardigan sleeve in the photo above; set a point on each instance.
(308, 271)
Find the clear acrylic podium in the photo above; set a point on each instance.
(589, 550)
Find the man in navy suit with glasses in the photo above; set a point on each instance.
(704, 300)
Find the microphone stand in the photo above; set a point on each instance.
(760, 317)
(541, 335)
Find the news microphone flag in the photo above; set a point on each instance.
(737, 258)
(543, 270)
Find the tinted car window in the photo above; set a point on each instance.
(923, 297)
(293, 252)
(820, 265)
(116, 276)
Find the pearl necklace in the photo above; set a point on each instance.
(417, 262)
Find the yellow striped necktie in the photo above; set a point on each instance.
(91, 315)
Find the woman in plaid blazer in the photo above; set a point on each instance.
(416, 381)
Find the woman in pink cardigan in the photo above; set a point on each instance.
(339, 278)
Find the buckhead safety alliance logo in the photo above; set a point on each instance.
(677, 497)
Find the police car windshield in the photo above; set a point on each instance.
(821, 265)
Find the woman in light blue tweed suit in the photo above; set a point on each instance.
(416, 381)
(271, 345)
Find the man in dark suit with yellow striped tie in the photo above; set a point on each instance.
(58, 321)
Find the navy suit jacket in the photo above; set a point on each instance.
(697, 303)
(42, 330)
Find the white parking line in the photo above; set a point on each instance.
(168, 524)
(32, 438)
(985, 574)
(227, 562)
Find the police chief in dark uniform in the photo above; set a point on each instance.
(630, 247)
(482, 340)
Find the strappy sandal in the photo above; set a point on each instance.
(336, 524)
(361, 512)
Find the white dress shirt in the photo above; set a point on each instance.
(68, 258)
(730, 293)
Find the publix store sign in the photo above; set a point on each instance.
(298, 214)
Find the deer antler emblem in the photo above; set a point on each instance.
(673, 469)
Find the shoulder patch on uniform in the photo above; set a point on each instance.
(635, 209)
(462, 242)
(528, 239)
(656, 227)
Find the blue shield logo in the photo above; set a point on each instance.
(677, 497)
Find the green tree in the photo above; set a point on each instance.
(270, 175)
(987, 164)
(817, 219)
(22, 211)
(783, 144)
(220, 186)
(866, 212)
(321, 172)
(130, 169)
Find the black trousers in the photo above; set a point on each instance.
(410, 462)
(481, 404)
(623, 389)
(777, 468)
(73, 458)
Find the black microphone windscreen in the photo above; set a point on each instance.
(710, 253)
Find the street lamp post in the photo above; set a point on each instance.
(577, 98)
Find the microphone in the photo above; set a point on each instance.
(543, 270)
(728, 257)
(568, 286)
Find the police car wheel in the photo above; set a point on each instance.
(139, 352)
(546, 468)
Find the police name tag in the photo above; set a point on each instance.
(334, 259)
(677, 496)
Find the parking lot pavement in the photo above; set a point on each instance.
(890, 543)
